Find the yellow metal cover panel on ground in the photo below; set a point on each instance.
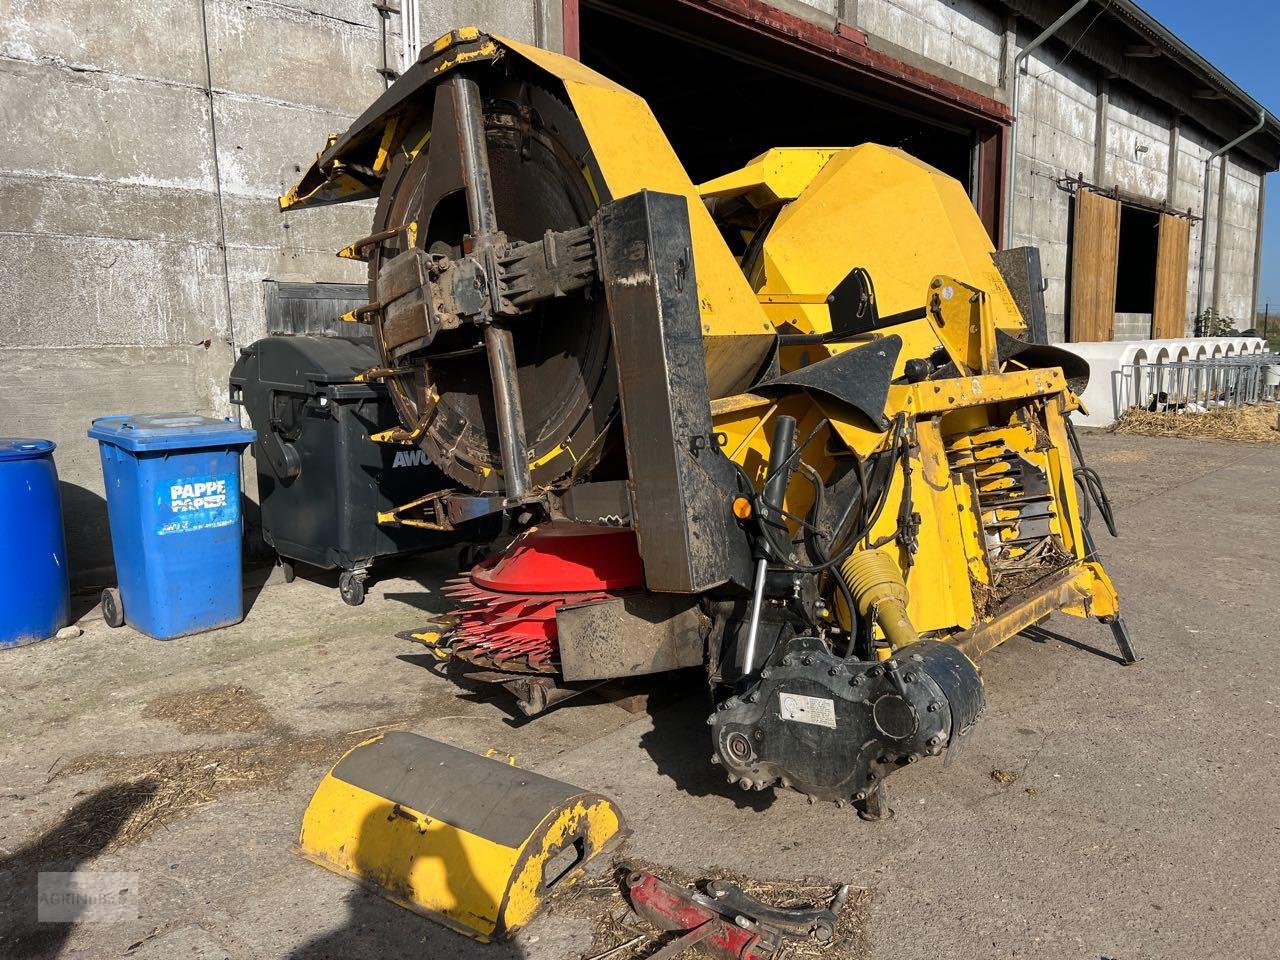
(472, 842)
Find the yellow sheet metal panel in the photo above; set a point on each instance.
(633, 154)
(776, 175)
(470, 841)
(904, 221)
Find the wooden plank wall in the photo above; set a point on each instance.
(1095, 249)
(1169, 318)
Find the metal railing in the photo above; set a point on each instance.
(1197, 386)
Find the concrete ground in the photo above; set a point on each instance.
(1142, 820)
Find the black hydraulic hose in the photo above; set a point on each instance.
(843, 546)
(1091, 486)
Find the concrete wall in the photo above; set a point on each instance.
(137, 137)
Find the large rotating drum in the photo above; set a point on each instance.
(526, 178)
(490, 161)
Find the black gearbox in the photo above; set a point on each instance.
(835, 728)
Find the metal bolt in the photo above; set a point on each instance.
(934, 706)
(766, 673)
(759, 735)
(909, 678)
(807, 661)
(832, 672)
(786, 661)
(934, 741)
(913, 758)
(860, 795)
(750, 697)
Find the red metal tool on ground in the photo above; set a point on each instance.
(723, 921)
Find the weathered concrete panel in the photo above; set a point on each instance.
(264, 146)
(78, 291)
(57, 206)
(258, 223)
(1137, 158)
(1238, 240)
(160, 40)
(507, 18)
(103, 127)
(292, 55)
(964, 35)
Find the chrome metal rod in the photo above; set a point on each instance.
(474, 150)
(506, 400)
(753, 623)
(499, 345)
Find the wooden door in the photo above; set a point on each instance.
(1169, 318)
(1095, 247)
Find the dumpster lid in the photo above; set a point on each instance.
(22, 448)
(169, 431)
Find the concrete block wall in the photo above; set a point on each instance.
(139, 136)
(1056, 135)
(1137, 146)
(963, 35)
(1238, 242)
(1188, 194)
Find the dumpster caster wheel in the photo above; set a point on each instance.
(112, 608)
(287, 568)
(351, 586)
(470, 555)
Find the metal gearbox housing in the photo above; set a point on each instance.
(834, 728)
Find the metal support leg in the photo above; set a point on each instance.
(1118, 628)
(1123, 641)
(875, 807)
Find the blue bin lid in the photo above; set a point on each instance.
(169, 431)
(21, 448)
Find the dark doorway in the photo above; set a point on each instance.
(1136, 262)
(721, 107)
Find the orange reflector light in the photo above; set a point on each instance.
(742, 508)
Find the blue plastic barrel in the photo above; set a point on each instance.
(173, 499)
(34, 601)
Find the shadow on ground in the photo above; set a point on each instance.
(378, 928)
(84, 832)
(680, 742)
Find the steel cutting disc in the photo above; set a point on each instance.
(543, 180)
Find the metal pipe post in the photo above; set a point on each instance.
(775, 490)
(1204, 213)
(498, 342)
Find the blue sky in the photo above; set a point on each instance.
(1239, 38)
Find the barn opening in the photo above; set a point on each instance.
(725, 93)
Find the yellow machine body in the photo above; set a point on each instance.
(977, 529)
(470, 841)
(916, 233)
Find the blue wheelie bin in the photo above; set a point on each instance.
(34, 601)
(173, 498)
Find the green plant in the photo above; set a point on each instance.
(1213, 324)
